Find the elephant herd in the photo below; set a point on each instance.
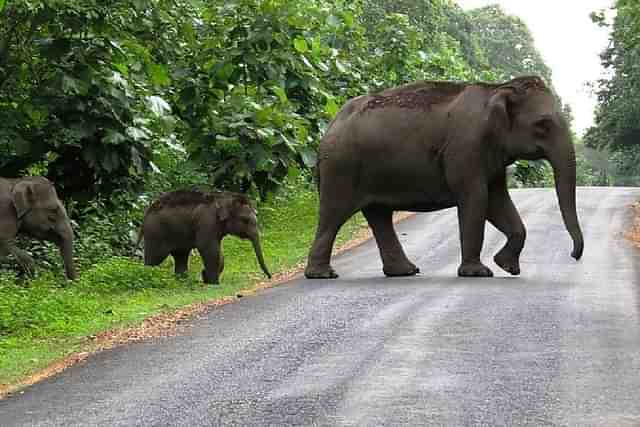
(420, 147)
(175, 224)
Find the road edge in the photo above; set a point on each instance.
(172, 322)
(633, 234)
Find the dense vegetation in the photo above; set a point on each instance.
(95, 94)
(147, 95)
(614, 140)
(118, 101)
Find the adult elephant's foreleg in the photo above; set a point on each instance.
(472, 214)
(394, 260)
(503, 214)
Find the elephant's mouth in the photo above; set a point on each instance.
(537, 154)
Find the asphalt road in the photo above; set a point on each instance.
(559, 345)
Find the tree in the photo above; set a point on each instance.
(617, 121)
(91, 92)
(78, 92)
(507, 43)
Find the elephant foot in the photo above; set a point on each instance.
(508, 263)
(26, 263)
(408, 269)
(474, 269)
(320, 273)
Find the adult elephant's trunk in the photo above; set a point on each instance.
(563, 161)
(66, 250)
(258, 249)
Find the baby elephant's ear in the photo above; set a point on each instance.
(223, 210)
(23, 198)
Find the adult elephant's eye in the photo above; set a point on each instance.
(542, 127)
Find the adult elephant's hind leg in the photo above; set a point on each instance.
(504, 216)
(394, 260)
(333, 214)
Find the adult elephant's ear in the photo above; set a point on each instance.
(23, 197)
(499, 111)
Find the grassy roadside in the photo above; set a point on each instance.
(45, 319)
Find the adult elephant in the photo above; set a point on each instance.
(31, 206)
(431, 145)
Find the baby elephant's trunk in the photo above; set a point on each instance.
(258, 249)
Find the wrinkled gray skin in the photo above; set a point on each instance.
(433, 145)
(30, 206)
(183, 220)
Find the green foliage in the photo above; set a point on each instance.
(507, 43)
(78, 91)
(259, 87)
(92, 92)
(607, 167)
(617, 122)
(527, 173)
(590, 169)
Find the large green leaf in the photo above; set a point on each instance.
(114, 137)
(309, 157)
(300, 45)
(159, 75)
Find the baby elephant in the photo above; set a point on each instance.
(30, 206)
(182, 220)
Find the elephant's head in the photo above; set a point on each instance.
(240, 219)
(41, 214)
(525, 119)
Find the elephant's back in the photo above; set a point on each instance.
(170, 223)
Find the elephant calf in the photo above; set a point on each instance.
(31, 206)
(182, 220)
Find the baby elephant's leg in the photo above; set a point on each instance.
(220, 263)
(181, 260)
(154, 253)
(211, 257)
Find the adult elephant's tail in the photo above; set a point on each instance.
(316, 175)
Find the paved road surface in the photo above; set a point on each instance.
(559, 345)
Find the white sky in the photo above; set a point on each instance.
(569, 43)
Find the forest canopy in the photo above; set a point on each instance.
(95, 95)
(615, 136)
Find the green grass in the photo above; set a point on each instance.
(46, 318)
